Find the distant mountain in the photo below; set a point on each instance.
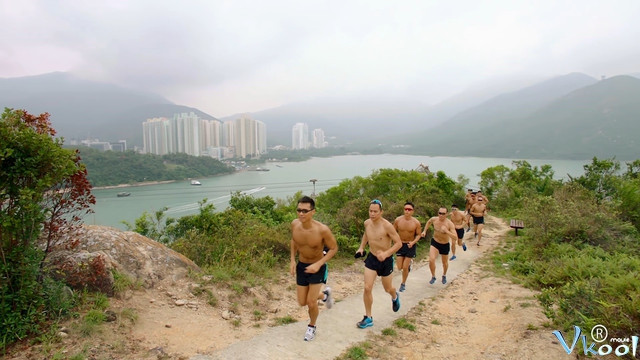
(342, 121)
(358, 121)
(599, 119)
(81, 108)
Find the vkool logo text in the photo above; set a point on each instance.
(599, 334)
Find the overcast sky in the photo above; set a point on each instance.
(227, 57)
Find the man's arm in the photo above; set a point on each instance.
(330, 242)
(417, 233)
(364, 241)
(294, 250)
(426, 227)
(397, 242)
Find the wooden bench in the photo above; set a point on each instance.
(517, 224)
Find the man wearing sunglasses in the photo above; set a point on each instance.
(408, 229)
(443, 232)
(308, 239)
(383, 242)
(478, 212)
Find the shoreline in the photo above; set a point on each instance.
(132, 185)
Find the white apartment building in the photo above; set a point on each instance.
(187, 133)
(300, 136)
(317, 138)
(156, 136)
(249, 137)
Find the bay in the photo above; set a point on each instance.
(284, 179)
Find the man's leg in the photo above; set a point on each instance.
(312, 302)
(480, 227)
(400, 261)
(406, 262)
(387, 284)
(453, 249)
(433, 254)
(445, 267)
(369, 278)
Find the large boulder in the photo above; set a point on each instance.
(101, 249)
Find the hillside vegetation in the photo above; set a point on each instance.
(580, 247)
(108, 168)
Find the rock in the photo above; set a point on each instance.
(180, 302)
(110, 316)
(473, 310)
(226, 314)
(101, 249)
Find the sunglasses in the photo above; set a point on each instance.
(408, 209)
(442, 213)
(304, 211)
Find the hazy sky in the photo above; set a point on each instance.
(226, 57)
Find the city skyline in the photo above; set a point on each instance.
(187, 133)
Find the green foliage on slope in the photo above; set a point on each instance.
(114, 168)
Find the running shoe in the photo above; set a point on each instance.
(310, 334)
(402, 287)
(328, 300)
(464, 246)
(395, 304)
(366, 322)
(453, 257)
(444, 279)
(433, 280)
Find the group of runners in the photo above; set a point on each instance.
(314, 244)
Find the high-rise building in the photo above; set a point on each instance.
(317, 138)
(249, 137)
(300, 136)
(156, 136)
(187, 133)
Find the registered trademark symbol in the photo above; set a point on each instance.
(599, 333)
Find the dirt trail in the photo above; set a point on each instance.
(470, 318)
(474, 316)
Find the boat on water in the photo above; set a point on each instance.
(195, 182)
(123, 194)
(259, 169)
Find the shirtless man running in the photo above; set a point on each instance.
(443, 231)
(383, 242)
(478, 211)
(308, 239)
(459, 220)
(408, 228)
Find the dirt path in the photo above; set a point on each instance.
(474, 316)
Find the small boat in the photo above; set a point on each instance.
(123, 194)
(278, 165)
(195, 182)
(259, 169)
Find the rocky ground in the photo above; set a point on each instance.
(477, 316)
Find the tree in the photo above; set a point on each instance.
(42, 187)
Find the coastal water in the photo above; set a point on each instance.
(284, 179)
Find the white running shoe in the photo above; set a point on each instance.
(310, 334)
(329, 299)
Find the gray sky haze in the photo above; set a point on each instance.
(227, 57)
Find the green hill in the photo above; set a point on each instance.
(595, 120)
